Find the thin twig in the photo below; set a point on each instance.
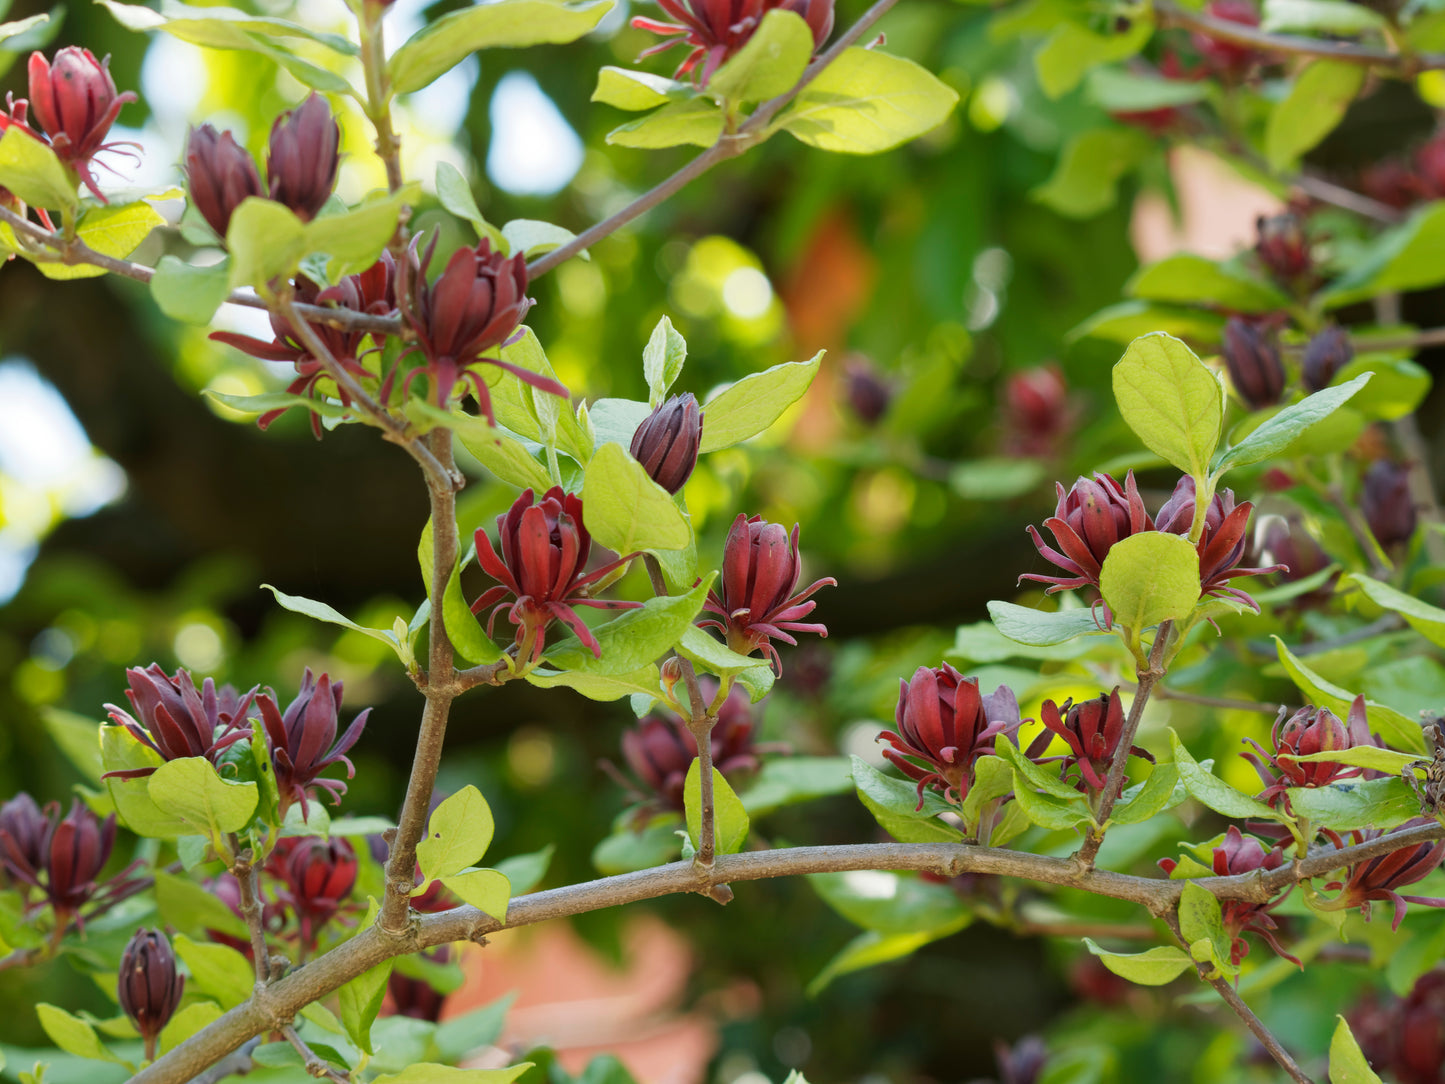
(314, 1063)
(1389, 623)
(1223, 702)
(246, 876)
(1345, 198)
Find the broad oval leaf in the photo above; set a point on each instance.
(1171, 400)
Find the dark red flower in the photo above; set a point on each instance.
(947, 724)
(1429, 175)
(1222, 544)
(1306, 731)
(221, 173)
(303, 157)
(1227, 59)
(475, 305)
(75, 101)
(667, 441)
(1255, 367)
(1387, 504)
(1394, 184)
(754, 600)
(1289, 543)
(148, 986)
(661, 748)
(1037, 414)
(1327, 352)
(303, 741)
(543, 566)
(1088, 520)
(67, 862)
(315, 877)
(178, 721)
(23, 829)
(1283, 247)
(1240, 854)
(1405, 1039)
(868, 393)
(418, 998)
(716, 29)
(1092, 730)
(1167, 118)
(1378, 878)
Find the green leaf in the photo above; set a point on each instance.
(186, 906)
(1427, 620)
(1156, 967)
(895, 805)
(218, 970)
(20, 26)
(626, 851)
(1396, 729)
(1171, 400)
(786, 781)
(771, 62)
(112, 230)
(635, 639)
(72, 1034)
(355, 239)
(187, 1022)
(1117, 90)
(711, 654)
(1073, 49)
(189, 293)
(995, 478)
(485, 889)
(1396, 389)
(190, 789)
(1347, 1061)
(31, 170)
(635, 91)
(892, 902)
(867, 101)
(1048, 810)
(1150, 577)
(1315, 106)
(1188, 279)
(459, 1036)
(429, 1073)
(1361, 756)
(663, 358)
(1041, 628)
(79, 739)
(285, 1056)
(504, 24)
(1201, 921)
(1367, 803)
(456, 196)
(218, 27)
(1313, 16)
(755, 402)
(1401, 259)
(457, 836)
(322, 612)
(1291, 423)
(730, 819)
(869, 949)
(360, 1000)
(1214, 792)
(1086, 178)
(695, 121)
(604, 687)
(261, 404)
(625, 510)
(1037, 776)
(266, 242)
(525, 871)
(532, 237)
(1126, 321)
(1159, 792)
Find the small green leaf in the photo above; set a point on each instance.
(463, 628)
(1194, 280)
(869, 949)
(460, 1035)
(1396, 729)
(266, 242)
(896, 806)
(1161, 791)
(867, 101)
(730, 819)
(1150, 577)
(1126, 321)
(1314, 107)
(769, 64)
(355, 238)
(72, 1034)
(456, 196)
(603, 687)
(1291, 423)
(1156, 967)
(1047, 810)
(121, 751)
(1315, 16)
(532, 237)
(695, 121)
(20, 26)
(78, 738)
(891, 902)
(783, 781)
(1073, 49)
(524, 872)
(189, 293)
(187, 1022)
(1399, 260)
(1347, 1061)
(322, 612)
(663, 358)
(1214, 792)
(713, 655)
(187, 907)
(1427, 620)
(505, 24)
(429, 1073)
(485, 889)
(218, 970)
(1042, 628)
(31, 170)
(1356, 803)
(625, 510)
(635, 639)
(112, 230)
(635, 91)
(458, 835)
(1086, 178)
(1361, 756)
(190, 789)
(1201, 921)
(1397, 387)
(218, 27)
(276, 400)
(360, 999)
(1171, 400)
(1117, 90)
(755, 402)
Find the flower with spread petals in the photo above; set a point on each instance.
(220, 174)
(1255, 367)
(667, 441)
(1387, 504)
(303, 741)
(661, 748)
(1326, 353)
(543, 567)
(754, 600)
(177, 720)
(1378, 878)
(475, 305)
(1307, 731)
(1086, 523)
(149, 985)
(1222, 543)
(315, 877)
(1228, 60)
(944, 726)
(1404, 1039)
(23, 828)
(303, 157)
(1092, 730)
(67, 861)
(717, 29)
(74, 100)
(1238, 854)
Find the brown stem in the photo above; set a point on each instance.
(378, 93)
(1223, 702)
(236, 1063)
(246, 876)
(1345, 198)
(1114, 781)
(750, 132)
(315, 1065)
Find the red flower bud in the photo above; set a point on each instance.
(1229, 61)
(545, 547)
(1326, 354)
(1283, 246)
(417, 998)
(148, 985)
(303, 157)
(1306, 731)
(177, 721)
(867, 392)
(1288, 543)
(1387, 504)
(754, 601)
(1255, 368)
(1088, 520)
(316, 877)
(303, 742)
(661, 748)
(1037, 415)
(666, 442)
(1092, 730)
(23, 829)
(1222, 543)
(717, 29)
(75, 101)
(221, 173)
(1429, 176)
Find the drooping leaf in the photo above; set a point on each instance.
(1042, 628)
(1086, 178)
(1347, 1061)
(1156, 967)
(1215, 792)
(755, 402)
(1396, 729)
(730, 819)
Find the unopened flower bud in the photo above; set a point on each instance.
(75, 101)
(23, 831)
(149, 986)
(1283, 246)
(304, 156)
(1037, 415)
(1387, 503)
(1429, 175)
(671, 671)
(221, 173)
(1325, 355)
(868, 393)
(667, 441)
(1255, 367)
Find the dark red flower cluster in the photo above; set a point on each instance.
(1404, 1038)
(314, 876)
(660, 749)
(1307, 731)
(177, 720)
(716, 29)
(1235, 855)
(1089, 519)
(1092, 730)
(303, 741)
